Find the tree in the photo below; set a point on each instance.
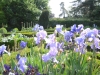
(41, 4)
(17, 12)
(44, 18)
(64, 11)
(87, 8)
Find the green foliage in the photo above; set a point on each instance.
(41, 4)
(17, 11)
(87, 8)
(50, 30)
(44, 18)
(69, 22)
(3, 30)
(9, 43)
(3, 19)
(15, 30)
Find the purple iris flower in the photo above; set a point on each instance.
(18, 57)
(52, 52)
(28, 72)
(80, 40)
(41, 28)
(95, 31)
(96, 43)
(84, 32)
(23, 44)
(60, 46)
(50, 40)
(67, 36)
(90, 34)
(80, 28)
(3, 49)
(30, 66)
(41, 35)
(81, 48)
(59, 28)
(98, 31)
(7, 67)
(51, 37)
(74, 28)
(21, 64)
(36, 27)
(46, 57)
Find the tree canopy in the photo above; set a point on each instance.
(87, 8)
(17, 11)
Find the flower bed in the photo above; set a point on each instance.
(61, 53)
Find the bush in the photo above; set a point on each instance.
(50, 30)
(3, 30)
(44, 18)
(69, 22)
(15, 30)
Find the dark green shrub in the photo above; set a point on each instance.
(69, 22)
(44, 18)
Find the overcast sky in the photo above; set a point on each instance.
(55, 6)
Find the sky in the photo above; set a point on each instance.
(55, 6)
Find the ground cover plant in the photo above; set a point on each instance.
(64, 52)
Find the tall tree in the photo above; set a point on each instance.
(64, 11)
(17, 11)
(41, 4)
(44, 18)
(87, 7)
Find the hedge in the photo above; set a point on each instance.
(69, 22)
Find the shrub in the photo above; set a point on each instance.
(15, 30)
(69, 22)
(3, 30)
(50, 30)
(44, 18)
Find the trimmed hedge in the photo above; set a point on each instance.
(69, 22)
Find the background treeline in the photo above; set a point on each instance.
(14, 12)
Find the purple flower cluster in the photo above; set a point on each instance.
(75, 29)
(41, 35)
(52, 43)
(23, 44)
(59, 28)
(37, 27)
(3, 49)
